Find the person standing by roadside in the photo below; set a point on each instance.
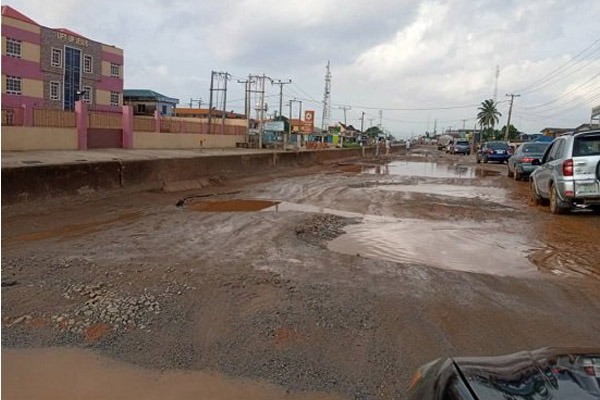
(377, 147)
(388, 146)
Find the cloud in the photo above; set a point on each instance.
(384, 53)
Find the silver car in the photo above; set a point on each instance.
(568, 175)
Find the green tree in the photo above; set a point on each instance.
(373, 132)
(488, 116)
(512, 132)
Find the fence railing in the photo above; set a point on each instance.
(12, 116)
(105, 119)
(54, 118)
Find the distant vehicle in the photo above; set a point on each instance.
(461, 147)
(519, 164)
(550, 373)
(443, 141)
(449, 146)
(494, 151)
(569, 173)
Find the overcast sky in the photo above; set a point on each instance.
(394, 55)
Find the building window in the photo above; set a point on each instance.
(87, 64)
(54, 90)
(114, 98)
(87, 94)
(56, 60)
(13, 48)
(13, 85)
(114, 70)
(141, 109)
(164, 110)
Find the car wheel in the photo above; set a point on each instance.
(509, 173)
(555, 206)
(485, 160)
(535, 197)
(517, 175)
(477, 159)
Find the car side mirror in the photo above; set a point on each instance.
(536, 161)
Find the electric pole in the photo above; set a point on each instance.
(247, 83)
(219, 77)
(199, 101)
(380, 119)
(496, 83)
(512, 97)
(326, 100)
(280, 83)
(345, 108)
(362, 122)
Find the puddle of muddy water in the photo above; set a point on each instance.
(428, 170)
(487, 193)
(424, 169)
(231, 205)
(78, 374)
(481, 248)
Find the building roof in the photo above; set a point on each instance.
(8, 11)
(202, 112)
(147, 94)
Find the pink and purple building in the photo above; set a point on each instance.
(51, 68)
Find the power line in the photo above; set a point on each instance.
(561, 68)
(565, 94)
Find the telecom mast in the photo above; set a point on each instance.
(496, 83)
(327, 100)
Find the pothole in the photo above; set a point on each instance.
(482, 248)
(429, 170)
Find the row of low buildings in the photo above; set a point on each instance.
(72, 87)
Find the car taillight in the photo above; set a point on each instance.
(567, 167)
(528, 159)
(490, 152)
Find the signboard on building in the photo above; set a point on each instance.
(308, 125)
(274, 126)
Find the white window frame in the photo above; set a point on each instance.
(59, 52)
(14, 85)
(87, 94)
(13, 48)
(87, 70)
(57, 85)
(115, 70)
(114, 102)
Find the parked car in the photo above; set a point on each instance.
(568, 175)
(550, 373)
(494, 151)
(519, 164)
(461, 147)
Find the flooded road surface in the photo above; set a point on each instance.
(424, 169)
(481, 248)
(236, 205)
(484, 193)
(59, 374)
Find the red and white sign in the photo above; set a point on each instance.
(308, 125)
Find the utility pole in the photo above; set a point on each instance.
(512, 97)
(281, 83)
(362, 122)
(220, 77)
(345, 108)
(435, 127)
(380, 119)
(326, 100)
(199, 101)
(247, 83)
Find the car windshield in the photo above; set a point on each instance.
(497, 145)
(587, 145)
(534, 148)
(462, 143)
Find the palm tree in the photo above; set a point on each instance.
(488, 115)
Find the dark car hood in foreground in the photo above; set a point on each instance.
(550, 373)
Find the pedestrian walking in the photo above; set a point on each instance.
(388, 145)
(377, 147)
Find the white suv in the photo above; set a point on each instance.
(568, 175)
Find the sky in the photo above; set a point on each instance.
(425, 64)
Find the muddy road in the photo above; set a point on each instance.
(333, 282)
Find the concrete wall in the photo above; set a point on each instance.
(45, 181)
(151, 140)
(19, 138)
